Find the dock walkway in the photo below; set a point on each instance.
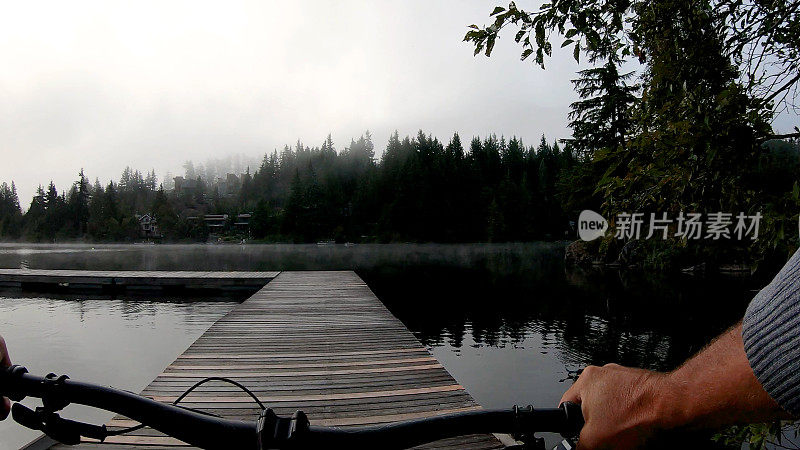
(317, 341)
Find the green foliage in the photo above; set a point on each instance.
(695, 129)
(691, 140)
(695, 132)
(775, 178)
(757, 435)
(762, 38)
(10, 213)
(594, 27)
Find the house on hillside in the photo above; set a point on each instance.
(148, 226)
(185, 186)
(216, 223)
(242, 223)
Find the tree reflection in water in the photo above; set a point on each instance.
(585, 317)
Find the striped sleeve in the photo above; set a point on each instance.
(771, 334)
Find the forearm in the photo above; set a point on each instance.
(734, 380)
(716, 387)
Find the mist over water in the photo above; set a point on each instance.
(501, 257)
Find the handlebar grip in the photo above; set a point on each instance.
(574, 414)
(8, 386)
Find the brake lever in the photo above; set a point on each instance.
(66, 431)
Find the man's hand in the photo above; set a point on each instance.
(5, 361)
(620, 406)
(625, 407)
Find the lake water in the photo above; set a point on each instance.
(509, 321)
(120, 342)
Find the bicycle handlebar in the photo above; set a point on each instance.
(188, 426)
(270, 431)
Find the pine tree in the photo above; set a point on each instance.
(14, 200)
(126, 181)
(111, 204)
(189, 171)
(165, 215)
(10, 213)
(55, 213)
(454, 149)
(602, 118)
(79, 204)
(151, 181)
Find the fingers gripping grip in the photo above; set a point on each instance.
(574, 417)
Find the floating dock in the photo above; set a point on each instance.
(125, 280)
(317, 341)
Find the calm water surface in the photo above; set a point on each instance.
(120, 342)
(509, 321)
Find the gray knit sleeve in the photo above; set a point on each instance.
(771, 333)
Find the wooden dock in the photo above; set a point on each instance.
(317, 341)
(125, 280)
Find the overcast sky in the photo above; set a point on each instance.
(105, 85)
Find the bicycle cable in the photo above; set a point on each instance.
(189, 391)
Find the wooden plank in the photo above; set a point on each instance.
(303, 366)
(317, 341)
(332, 354)
(307, 373)
(305, 398)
